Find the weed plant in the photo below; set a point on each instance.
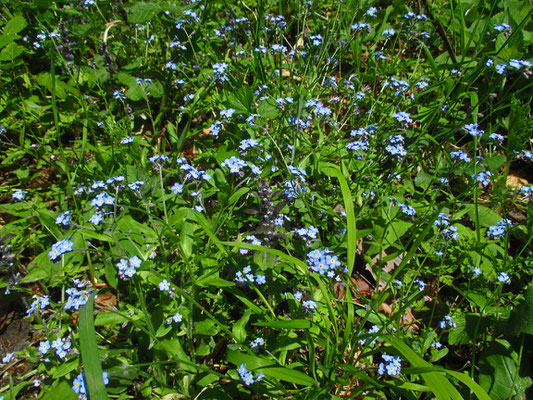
(267, 199)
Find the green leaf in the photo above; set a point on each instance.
(64, 369)
(499, 375)
(335, 171)
(242, 100)
(109, 318)
(423, 180)
(487, 217)
(237, 195)
(469, 327)
(239, 327)
(252, 362)
(436, 381)
(61, 391)
(15, 25)
(288, 375)
(36, 274)
(89, 352)
(11, 51)
(290, 324)
(521, 319)
(142, 12)
(6, 39)
(213, 280)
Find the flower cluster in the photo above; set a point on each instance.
(503, 277)
(310, 233)
(461, 155)
(447, 322)
(473, 129)
(128, 268)
(38, 304)
(407, 209)
(483, 177)
(257, 343)
(60, 248)
(19, 195)
(396, 146)
(61, 347)
(496, 231)
(219, 72)
(323, 262)
(234, 164)
(79, 385)
(245, 276)
(64, 218)
(372, 330)
(391, 365)
(76, 297)
(247, 376)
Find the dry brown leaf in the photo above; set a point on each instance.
(516, 181)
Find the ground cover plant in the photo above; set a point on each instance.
(266, 199)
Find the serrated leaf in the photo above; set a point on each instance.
(142, 12)
(15, 25)
(11, 51)
(242, 100)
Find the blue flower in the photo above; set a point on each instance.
(63, 218)
(8, 357)
(60, 248)
(447, 322)
(309, 305)
(371, 12)
(177, 188)
(407, 209)
(504, 278)
(127, 139)
(256, 343)
(391, 365)
(388, 32)
(102, 199)
(164, 285)
(19, 195)
(96, 218)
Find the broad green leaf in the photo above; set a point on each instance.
(521, 320)
(89, 352)
(64, 369)
(142, 12)
(436, 381)
(61, 390)
(487, 217)
(252, 362)
(36, 274)
(288, 375)
(239, 327)
(290, 324)
(15, 25)
(213, 280)
(242, 99)
(109, 318)
(498, 371)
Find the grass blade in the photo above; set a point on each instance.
(89, 352)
